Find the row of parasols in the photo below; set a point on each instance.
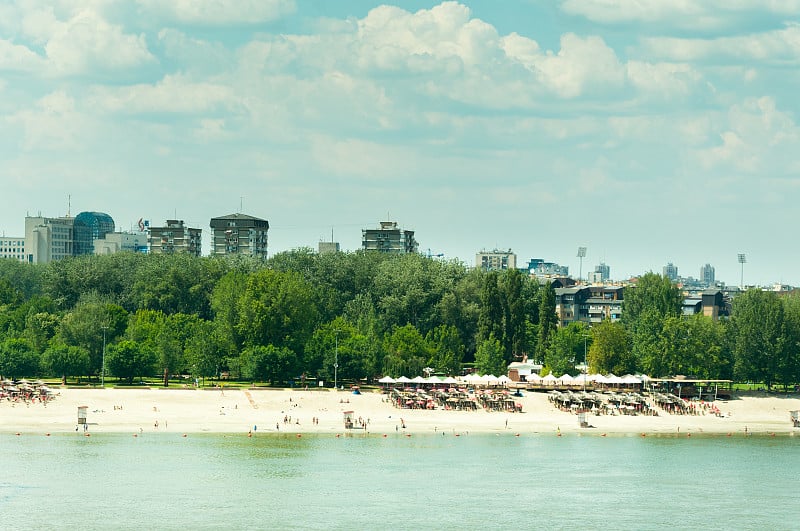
(23, 388)
(485, 380)
(588, 379)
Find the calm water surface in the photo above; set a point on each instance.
(164, 481)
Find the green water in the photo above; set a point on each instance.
(162, 481)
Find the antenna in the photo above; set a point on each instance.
(241, 200)
(69, 204)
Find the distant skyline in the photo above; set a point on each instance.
(646, 131)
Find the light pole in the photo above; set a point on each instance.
(103, 368)
(336, 360)
(742, 261)
(581, 255)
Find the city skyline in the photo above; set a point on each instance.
(647, 134)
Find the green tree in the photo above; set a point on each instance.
(566, 349)
(490, 357)
(129, 360)
(268, 363)
(66, 361)
(406, 352)
(277, 309)
(17, 358)
(760, 343)
(447, 349)
(548, 320)
(83, 326)
(610, 349)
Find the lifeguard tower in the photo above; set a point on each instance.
(82, 414)
(795, 418)
(348, 420)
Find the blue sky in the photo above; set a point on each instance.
(647, 131)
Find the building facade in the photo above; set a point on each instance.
(239, 234)
(115, 242)
(174, 237)
(707, 275)
(48, 239)
(389, 238)
(88, 227)
(496, 260)
(13, 248)
(670, 271)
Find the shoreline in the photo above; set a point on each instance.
(299, 412)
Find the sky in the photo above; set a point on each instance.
(646, 131)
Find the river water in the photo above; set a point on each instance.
(203, 481)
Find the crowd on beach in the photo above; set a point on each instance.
(629, 403)
(453, 399)
(25, 392)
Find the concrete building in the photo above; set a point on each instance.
(572, 304)
(496, 260)
(328, 247)
(605, 303)
(601, 273)
(175, 237)
(115, 242)
(13, 248)
(48, 239)
(389, 238)
(239, 234)
(540, 268)
(707, 275)
(670, 271)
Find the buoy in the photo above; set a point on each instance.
(516, 435)
(644, 435)
(558, 434)
(87, 434)
(384, 435)
(688, 434)
(299, 435)
(135, 435)
(17, 434)
(603, 435)
(47, 435)
(729, 434)
(184, 435)
(337, 435)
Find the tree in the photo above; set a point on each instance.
(406, 352)
(268, 363)
(548, 320)
(652, 291)
(128, 360)
(566, 349)
(83, 327)
(447, 349)
(490, 358)
(66, 361)
(760, 342)
(610, 351)
(277, 309)
(17, 358)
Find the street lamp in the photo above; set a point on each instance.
(103, 369)
(336, 360)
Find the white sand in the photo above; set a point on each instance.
(238, 411)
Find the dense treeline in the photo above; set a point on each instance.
(299, 312)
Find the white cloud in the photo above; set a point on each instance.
(693, 14)
(173, 94)
(580, 64)
(757, 138)
(776, 47)
(52, 124)
(18, 57)
(219, 12)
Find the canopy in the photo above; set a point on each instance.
(387, 379)
(403, 379)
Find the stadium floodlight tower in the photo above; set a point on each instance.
(581, 255)
(742, 262)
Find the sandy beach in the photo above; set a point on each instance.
(260, 411)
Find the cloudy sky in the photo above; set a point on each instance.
(647, 131)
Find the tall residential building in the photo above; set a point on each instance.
(496, 260)
(175, 237)
(48, 239)
(602, 273)
(239, 234)
(88, 227)
(707, 275)
(670, 271)
(388, 238)
(13, 248)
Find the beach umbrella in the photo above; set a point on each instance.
(565, 379)
(533, 377)
(403, 379)
(387, 380)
